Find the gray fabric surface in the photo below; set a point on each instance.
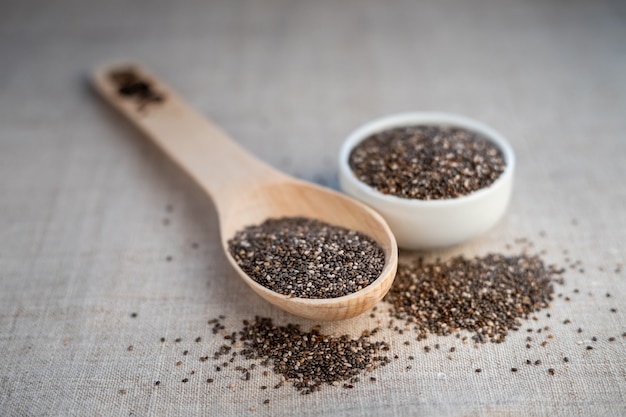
(83, 196)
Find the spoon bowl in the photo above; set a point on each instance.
(245, 190)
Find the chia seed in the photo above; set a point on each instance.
(134, 87)
(485, 295)
(307, 258)
(309, 359)
(427, 162)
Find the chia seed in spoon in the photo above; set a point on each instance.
(307, 258)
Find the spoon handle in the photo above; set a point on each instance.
(197, 145)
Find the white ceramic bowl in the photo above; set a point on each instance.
(428, 224)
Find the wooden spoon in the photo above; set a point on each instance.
(245, 190)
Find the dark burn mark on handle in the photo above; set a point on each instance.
(133, 86)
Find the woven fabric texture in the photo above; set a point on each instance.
(91, 212)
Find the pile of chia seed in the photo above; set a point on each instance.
(427, 162)
(485, 295)
(307, 258)
(310, 359)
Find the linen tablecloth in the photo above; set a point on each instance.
(90, 211)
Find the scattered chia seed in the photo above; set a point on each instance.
(186, 380)
(427, 162)
(566, 359)
(306, 359)
(130, 348)
(133, 315)
(485, 295)
(551, 371)
(513, 369)
(157, 383)
(307, 258)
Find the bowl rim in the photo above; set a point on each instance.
(424, 118)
